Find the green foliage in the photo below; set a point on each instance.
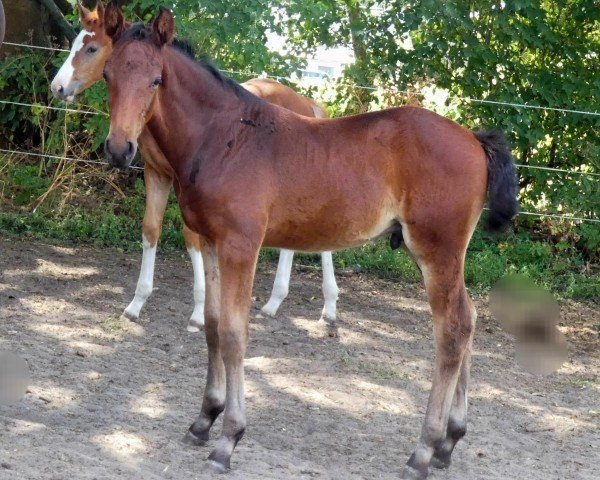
(27, 185)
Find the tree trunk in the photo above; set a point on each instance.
(359, 70)
(30, 22)
(27, 23)
(59, 21)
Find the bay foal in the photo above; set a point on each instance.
(82, 68)
(248, 173)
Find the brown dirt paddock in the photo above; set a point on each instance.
(113, 400)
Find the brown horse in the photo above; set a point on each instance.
(82, 68)
(248, 173)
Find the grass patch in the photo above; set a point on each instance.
(113, 325)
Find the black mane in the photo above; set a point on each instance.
(140, 32)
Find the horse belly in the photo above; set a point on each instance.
(334, 230)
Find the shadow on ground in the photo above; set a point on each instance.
(113, 400)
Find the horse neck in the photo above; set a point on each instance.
(194, 106)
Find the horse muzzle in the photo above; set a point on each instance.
(119, 154)
(64, 93)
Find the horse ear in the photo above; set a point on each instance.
(83, 12)
(100, 10)
(114, 25)
(163, 27)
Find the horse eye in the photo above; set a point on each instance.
(156, 82)
(91, 49)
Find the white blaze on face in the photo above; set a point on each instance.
(64, 77)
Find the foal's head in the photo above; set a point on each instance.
(134, 73)
(90, 50)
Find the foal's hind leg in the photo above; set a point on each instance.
(281, 285)
(330, 288)
(157, 194)
(192, 243)
(214, 393)
(453, 323)
(457, 421)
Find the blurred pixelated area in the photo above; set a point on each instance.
(14, 378)
(531, 314)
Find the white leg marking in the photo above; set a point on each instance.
(197, 318)
(145, 281)
(330, 288)
(282, 282)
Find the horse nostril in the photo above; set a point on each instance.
(106, 146)
(130, 149)
(61, 89)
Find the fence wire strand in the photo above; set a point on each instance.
(49, 107)
(35, 47)
(61, 157)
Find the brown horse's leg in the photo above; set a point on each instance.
(214, 393)
(192, 243)
(457, 420)
(237, 261)
(453, 324)
(157, 194)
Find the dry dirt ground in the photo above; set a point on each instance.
(113, 400)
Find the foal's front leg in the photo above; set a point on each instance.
(157, 194)
(237, 262)
(214, 392)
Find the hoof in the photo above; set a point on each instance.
(195, 440)
(219, 461)
(442, 461)
(129, 316)
(410, 473)
(327, 318)
(329, 326)
(215, 467)
(194, 326)
(268, 312)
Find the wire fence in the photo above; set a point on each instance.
(61, 157)
(392, 89)
(50, 107)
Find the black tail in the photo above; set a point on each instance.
(502, 180)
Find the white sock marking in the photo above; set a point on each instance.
(145, 280)
(330, 288)
(282, 282)
(197, 318)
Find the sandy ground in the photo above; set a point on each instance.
(113, 400)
